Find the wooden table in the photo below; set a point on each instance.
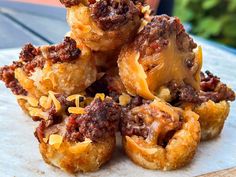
(22, 23)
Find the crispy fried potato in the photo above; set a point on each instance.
(212, 117)
(162, 52)
(84, 156)
(104, 30)
(181, 146)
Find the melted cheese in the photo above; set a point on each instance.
(170, 65)
(124, 99)
(56, 103)
(55, 140)
(76, 110)
(100, 95)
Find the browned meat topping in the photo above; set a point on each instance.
(31, 58)
(133, 123)
(209, 82)
(39, 132)
(70, 3)
(213, 89)
(7, 75)
(101, 120)
(29, 52)
(112, 14)
(156, 36)
(64, 52)
(37, 62)
(183, 93)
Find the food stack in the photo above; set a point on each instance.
(119, 69)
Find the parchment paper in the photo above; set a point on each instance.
(20, 157)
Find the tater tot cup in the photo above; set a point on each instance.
(103, 36)
(84, 156)
(212, 117)
(178, 152)
(162, 52)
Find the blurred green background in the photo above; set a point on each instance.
(212, 19)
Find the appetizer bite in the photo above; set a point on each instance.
(105, 24)
(78, 133)
(214, 105)
(60, 68)
(159, 136)
(211, 102)
(161, 53)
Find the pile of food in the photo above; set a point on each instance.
(119, 69)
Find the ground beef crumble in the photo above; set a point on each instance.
(132, 123)
(156, 35)
(63, 52)
(183, 92)
(101, 120)
(31, 57)
(7, 75)
(211, 89)
(112, 14)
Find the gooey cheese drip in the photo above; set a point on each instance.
(169, 65)
(161, 118)
(166, 66)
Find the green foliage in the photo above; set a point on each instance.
(213, 19)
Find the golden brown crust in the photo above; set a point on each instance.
(161, 53)
(212, 118)
(85, 158)
(179, 151)
(85, 28)
(67, 78)
(23, 104)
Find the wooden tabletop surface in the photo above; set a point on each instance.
(22, 23)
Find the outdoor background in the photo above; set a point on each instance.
(211, 19)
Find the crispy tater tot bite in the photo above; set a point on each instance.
(80, 135)
(103, 25)
(215, 107)
(159, 136)
(161, 53)
(211, 103)
(60, 68)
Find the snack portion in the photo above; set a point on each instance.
(60, 68)
(80, 136)
(118, 69)
(211, 103)
(159, 136)
(215, 107)
(161, 53)
(103, 25)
